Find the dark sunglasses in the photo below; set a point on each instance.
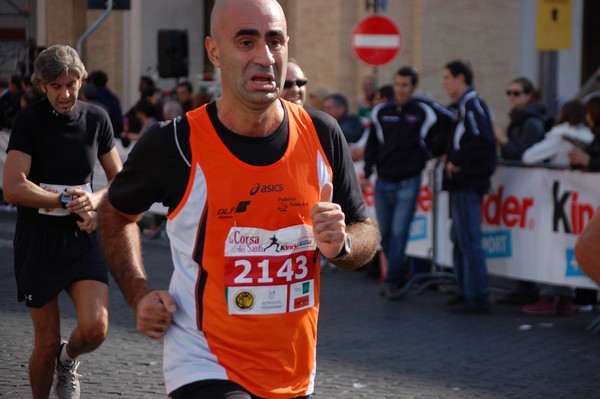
(515, 93)
(298, 82)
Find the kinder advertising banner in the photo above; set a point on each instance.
(531, 221)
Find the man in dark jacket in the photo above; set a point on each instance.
(397, 148)
(109, 99)
(470, 161)
(336, 105)
(13, 105)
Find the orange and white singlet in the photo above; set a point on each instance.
(246, 276)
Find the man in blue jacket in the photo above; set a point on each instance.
(470, 161)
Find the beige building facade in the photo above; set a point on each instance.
(496, 36)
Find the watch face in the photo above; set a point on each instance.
(65, 199)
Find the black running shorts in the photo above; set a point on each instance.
(49, 258)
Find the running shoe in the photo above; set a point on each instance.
(67, 384)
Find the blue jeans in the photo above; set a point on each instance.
(395, 206)
(468, 256)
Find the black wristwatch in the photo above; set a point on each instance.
(65, 199)
(345, 249)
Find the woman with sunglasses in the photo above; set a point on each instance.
(527, 126)
(528, 120)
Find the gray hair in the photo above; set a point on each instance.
(56, 61)
(171, 109)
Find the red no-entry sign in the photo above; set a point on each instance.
(376, 40)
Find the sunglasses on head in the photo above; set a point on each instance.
(298, 82)
(515, 93)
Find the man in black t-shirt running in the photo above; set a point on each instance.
(52, 150)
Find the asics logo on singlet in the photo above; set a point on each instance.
(266, 188)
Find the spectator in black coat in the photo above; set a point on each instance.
(109, 99)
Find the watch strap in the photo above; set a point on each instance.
(345, 249)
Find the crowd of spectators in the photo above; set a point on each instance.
(569, 139)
